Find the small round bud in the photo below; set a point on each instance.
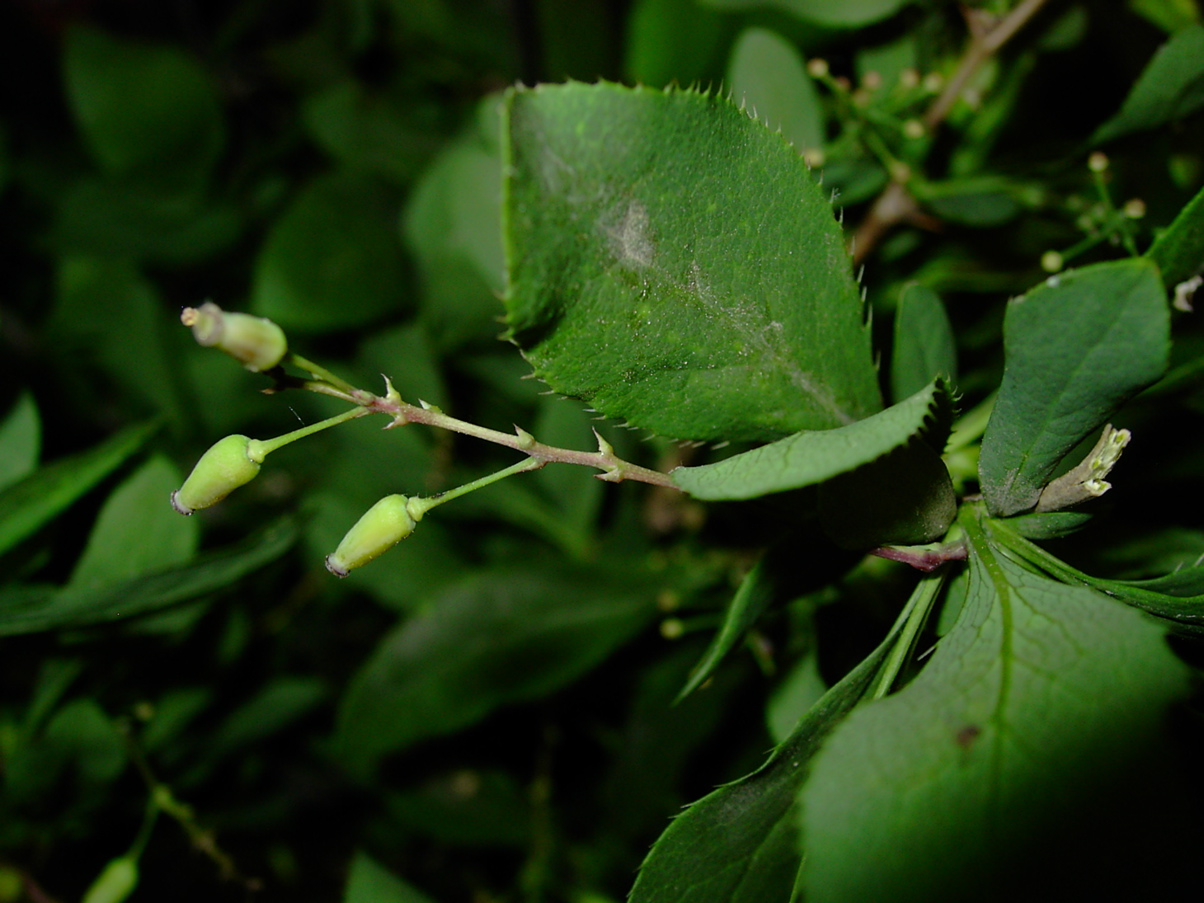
(228, 464)
(817, 67)
(909, 78)
(1097, 162)
(383, 526)
(1051, 261)
(115, 883)
(913, 128)
(1134, 208)
(257, 342)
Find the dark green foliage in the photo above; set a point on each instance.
(860, 320)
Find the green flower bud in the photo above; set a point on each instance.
(228, 464)
(384, 525)
(115, 883)
(259, 343)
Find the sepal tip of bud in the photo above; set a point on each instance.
(381, 527)
(228, 464)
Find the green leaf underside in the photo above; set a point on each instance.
(496, 638)
(811, 457)
(746, 832)
(1016, 743)
(672, 262)
(30, 609)
(1179, 251)
(35, 500)
(1171, 87)
(1077, 347)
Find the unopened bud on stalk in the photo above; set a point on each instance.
(383, 526)
(115, 883)
(259, 343)
(228, 464)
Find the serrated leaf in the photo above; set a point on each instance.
(1077, 347)
(496, 637)
(767, 75)
(1179, 250)
(672, 262)
(1023, 740)
(811, 457)
(31, 609)
(746, 832)
(1170, 87)
(27, 505)
(924, 346)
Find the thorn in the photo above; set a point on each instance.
(427, 406)
(604, 447)
(525, 439)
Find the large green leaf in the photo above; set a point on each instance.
(746, 832)
(27, 505)
(1077, 347)
(1177, 597)
(1170, 87)
(496, 637)
(811, 457)
(1179, 250)
(1033, 736)
(672, 262)
(30, 609)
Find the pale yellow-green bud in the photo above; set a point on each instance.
(229, 463)
(259, 343)
(115, 883)
(383, 526)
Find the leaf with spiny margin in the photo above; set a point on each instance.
(1035, 735)
(1077, 347)
(672, 262)
(813, 456)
